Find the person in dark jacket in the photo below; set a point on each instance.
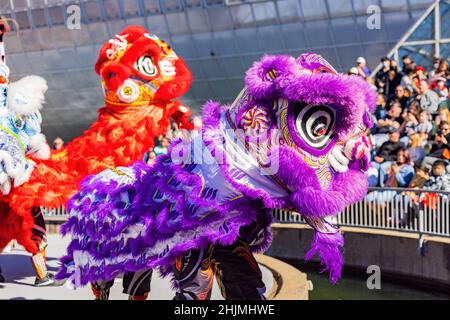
(387, 154)
(441, 146)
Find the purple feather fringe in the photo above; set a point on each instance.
(328, 246)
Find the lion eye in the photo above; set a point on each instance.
(19, 123)
(145, 66)
(314, 124)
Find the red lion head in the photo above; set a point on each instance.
(138, 68)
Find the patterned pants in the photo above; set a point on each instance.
(39, 237)
(234, 267)
(135, 284)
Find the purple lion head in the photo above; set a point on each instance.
(321, 117)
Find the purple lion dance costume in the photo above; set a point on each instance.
(293, 139)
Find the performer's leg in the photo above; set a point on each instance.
(237, 272)
(137, 284)
(101, 289)
(194, 273)
(39, 259)
(2, 279)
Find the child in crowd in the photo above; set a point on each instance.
(439, 178)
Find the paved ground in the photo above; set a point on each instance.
(19, 275)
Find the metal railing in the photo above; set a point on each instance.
(406, 210)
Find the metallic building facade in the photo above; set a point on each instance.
(219, 39)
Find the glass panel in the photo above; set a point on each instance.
(20, 4)
(294, 36)
(62, 36)
(318, 32)
(157, 25)
(22, 20)
(214, 2)
(370, 34)
(394, 5)
(212, 68)
(204, 44)
(330, 55)
(425, 30)
(348, 56)
(288, 11)
(340, 7)
(81, 36)
(19, 63)
(92, 11)
(201, 90)
(28, 41)
(397, 23)
(242, 16)
(420, 3)
(265, 13)
(83, 79)
(44, 37)
(225, 43)
(223, 90)
(13, 44)
(422, 55)
(344, 30)
(5, 6)
(112, 9)
(445, 50)
(177, 23)
(193, 3)
(313, 9)
(270, 38)
(36, 3)
(373, 52)
(233, 67)
(362, 5)
(219, 19)
(197, 21)
(171, 5)
(196, 69)
(56, 15)
(98, 32)
(115, 26)
(445, 19)
(131, 8)
(87, 57)
(183, 46)
(39, 18)
(151, 6)
(246, 40)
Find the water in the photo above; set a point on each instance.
(353, 287)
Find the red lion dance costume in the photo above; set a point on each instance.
(141, 77)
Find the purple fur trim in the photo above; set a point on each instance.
(328, 246)
(309, 198)
(349, 95)
(258, 81)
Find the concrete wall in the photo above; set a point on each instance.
(396, 253)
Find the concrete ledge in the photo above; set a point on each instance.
(390, 233)
(289, 282)
(396, 253)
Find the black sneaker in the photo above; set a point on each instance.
(48, 281)
(2, 278)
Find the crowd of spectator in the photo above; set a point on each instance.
(411, 135)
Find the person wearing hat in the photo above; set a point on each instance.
(363, 71)
(353, 71)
